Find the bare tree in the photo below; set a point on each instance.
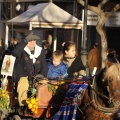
(104, 15)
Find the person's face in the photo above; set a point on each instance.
(31, 45)
(15, 42)
(71, 52)
(56, 61)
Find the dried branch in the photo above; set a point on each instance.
(116, 8)
(100, 5)
(92, 8)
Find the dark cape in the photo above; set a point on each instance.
(24, 66)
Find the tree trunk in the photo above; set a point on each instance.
(100, 26)
(101, 31)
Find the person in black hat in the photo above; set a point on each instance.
(30, 61)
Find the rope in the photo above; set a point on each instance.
(98, 93)
(97, 105)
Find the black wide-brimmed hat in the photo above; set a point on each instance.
(29, 35)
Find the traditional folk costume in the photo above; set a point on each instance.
(27, 65)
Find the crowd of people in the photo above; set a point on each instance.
(32, 60)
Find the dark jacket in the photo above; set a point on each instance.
(24, 65)
(48, 53)
(57, 72)
(76, 66)
(11, 47)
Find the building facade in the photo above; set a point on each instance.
(13, 8)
